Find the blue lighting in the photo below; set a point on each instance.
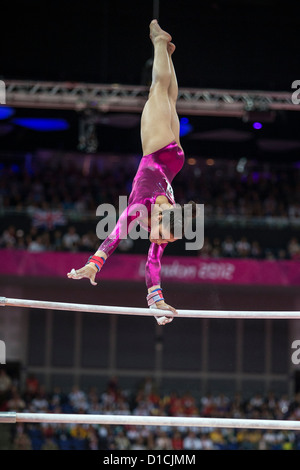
(6, 112)
(15, 168)
(184, 120)
(257, 125)
(42, 124)
(185, 126)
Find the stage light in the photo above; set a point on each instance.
(15, 168)
(184, 120)
(42, 124)
(185, 126)
(257, 125)
(6, 112)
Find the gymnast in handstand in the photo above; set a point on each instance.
(162, 159)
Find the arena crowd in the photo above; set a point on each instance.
(145, 400)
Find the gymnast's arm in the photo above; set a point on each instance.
(153, 273)
(107, 247)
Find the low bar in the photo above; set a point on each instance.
(149, 421)
(8, 417)
(233, 314)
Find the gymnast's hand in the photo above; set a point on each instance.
(163, 306)
(88, 271)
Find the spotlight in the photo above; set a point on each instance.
(257, 125)
(6, 112)
(42, 124)
(185, 126)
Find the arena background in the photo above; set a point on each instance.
(227, 45)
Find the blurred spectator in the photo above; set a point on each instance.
(9, 239)
(21, 243)
(228, 247)
(189, 405)
(93, 439)
(293, 248)
(78, 399)
(256, 250)
(243, 248)
(32, 386)
(49, 444)
(177, 441)
(15, 402)
(88, 241)
(162, 441)
(40, 401)
(71, 239)
(80, 434)
(217, 438)
(22, 441)
(294, 210)
(138, 444)
(36, 245)
(121, 440)
(216, 250)
(5, 385)
(192, 442)
(57, 243)
(205, 251)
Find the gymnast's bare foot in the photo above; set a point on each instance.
(157, 33)
(171, 48)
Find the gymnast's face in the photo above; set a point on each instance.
(159, 233)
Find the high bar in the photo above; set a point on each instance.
(42, 304)
(123, 420)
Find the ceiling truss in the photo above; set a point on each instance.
(124, 98)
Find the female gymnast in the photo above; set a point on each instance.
(162, 159)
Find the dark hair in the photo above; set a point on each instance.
(179, 217)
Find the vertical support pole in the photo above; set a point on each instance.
(156, 9)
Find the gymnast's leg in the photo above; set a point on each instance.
(173, 95)
(156, 121)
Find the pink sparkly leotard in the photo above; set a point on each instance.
(153, 178)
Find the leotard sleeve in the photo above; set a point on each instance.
(153, 264)
(122, 228)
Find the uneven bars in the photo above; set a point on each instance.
(41, 304)
(123, 420)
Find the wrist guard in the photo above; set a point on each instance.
(154, 296)
(97, 260)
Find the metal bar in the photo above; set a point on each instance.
(149, 421)
(233, 314)
(9, 417)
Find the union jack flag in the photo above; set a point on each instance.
(48, 219)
